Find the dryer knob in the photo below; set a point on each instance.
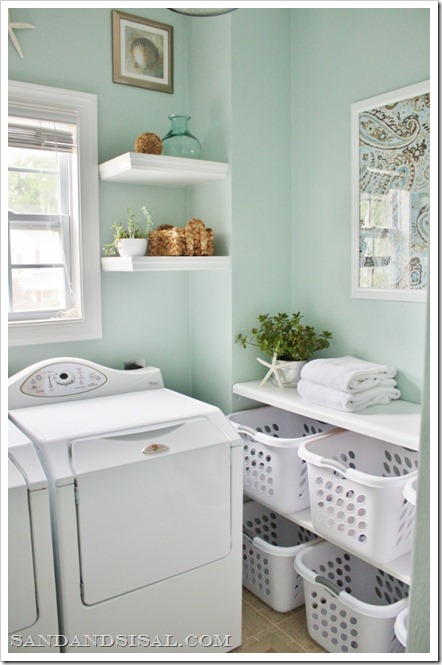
(64, 378)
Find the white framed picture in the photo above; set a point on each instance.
(390, 194)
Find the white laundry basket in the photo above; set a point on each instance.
(270, 544)
(401, 626)
(273, 473)
(357, 493)
(410, 490)
(351, 606)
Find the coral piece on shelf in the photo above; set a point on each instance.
(148, 143)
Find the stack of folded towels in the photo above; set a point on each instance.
(347, 383)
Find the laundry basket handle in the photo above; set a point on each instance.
(409, 491)
(248, 534)
(243, 429)
(331, 586)
(332, 464)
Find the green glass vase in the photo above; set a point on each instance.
(179, 142)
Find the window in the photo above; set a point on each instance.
(53, 258)
(41, 187)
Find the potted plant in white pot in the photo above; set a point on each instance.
(288, 342)
(131, 240)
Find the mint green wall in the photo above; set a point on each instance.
(209, 61)
(341, 56)
(235, 95)
(261, 174)
(144, 315)
(269, 90)
(185, 323)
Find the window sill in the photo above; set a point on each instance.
(48, 332)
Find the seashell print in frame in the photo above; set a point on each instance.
(142, 52)
(391, 194)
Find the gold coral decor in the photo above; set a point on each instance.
(148, 143)
(193, 240)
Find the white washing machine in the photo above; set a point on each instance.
(32, 606)
(146, 501)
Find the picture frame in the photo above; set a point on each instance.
(390, 143)
(142, 52)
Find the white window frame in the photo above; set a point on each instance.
(87, 256)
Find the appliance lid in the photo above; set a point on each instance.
(52, 426)
(94, 417)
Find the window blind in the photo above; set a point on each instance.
(43, 138)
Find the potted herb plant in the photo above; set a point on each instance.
(288, 342)
(131, 239)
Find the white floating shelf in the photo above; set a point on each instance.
(397, 422)
(139, 168)
(156, 263)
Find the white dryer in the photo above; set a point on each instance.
(32, 606)
(146, 500)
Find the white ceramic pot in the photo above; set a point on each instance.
(289, 372)
(132, 246)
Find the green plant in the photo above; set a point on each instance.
(286, 336)
(134, 229)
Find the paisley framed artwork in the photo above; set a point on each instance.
(142, 52)
(391, 194)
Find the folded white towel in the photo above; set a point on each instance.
(344, 401)
(348, 374)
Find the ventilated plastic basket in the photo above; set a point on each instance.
(410, 490)
(401, 627)
(357, 493)
(273, 473)
(351, 606)
(270, 544)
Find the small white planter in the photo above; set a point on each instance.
(282, 373)
(289, 372)
(132, 246)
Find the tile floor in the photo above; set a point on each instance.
(264, 630)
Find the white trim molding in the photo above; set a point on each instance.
(84, 106)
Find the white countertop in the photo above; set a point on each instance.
(397, 422)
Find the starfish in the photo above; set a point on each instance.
(275, 365)
(12, 37)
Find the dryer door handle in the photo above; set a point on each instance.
(154, 448)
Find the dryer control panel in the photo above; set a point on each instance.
(63, 379)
